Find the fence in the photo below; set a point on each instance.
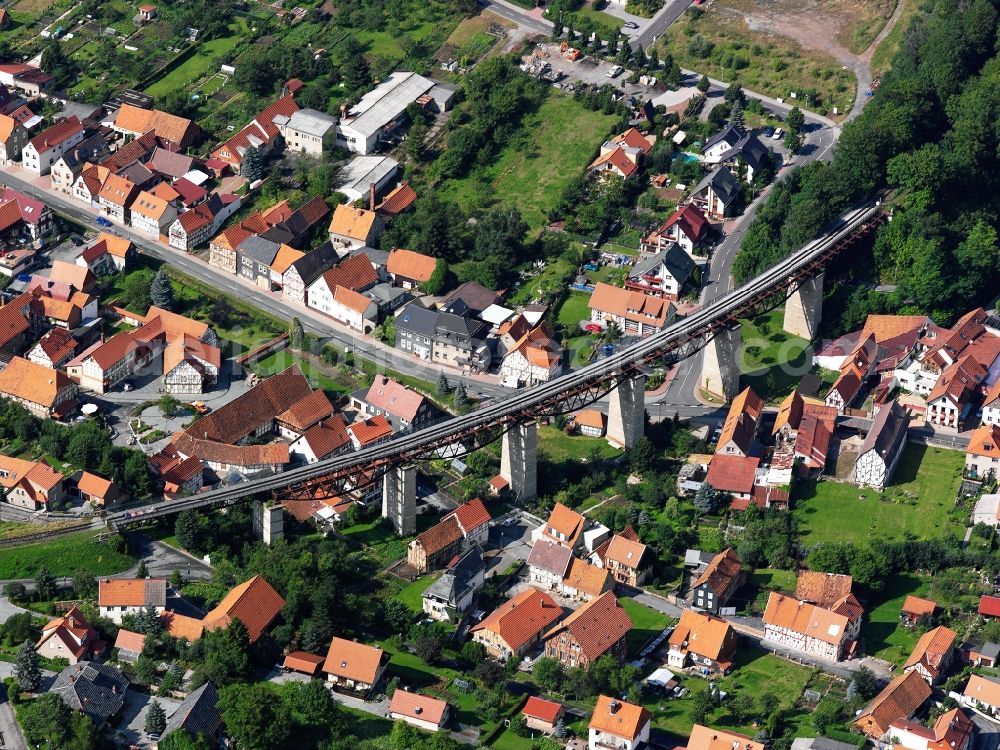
(264, 350)
(43, 535)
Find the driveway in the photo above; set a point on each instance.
(131, 727)
(8, 610)
(162, 560)
(10, 733)
(508, 544)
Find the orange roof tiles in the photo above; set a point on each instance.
(596, 626)
(932, 650)
(92, 484)
(704, 635)
(634, 306)
(983, 689)
(985, 441)
(117, 190)
(181, 626)
(254, 602)
(34, 383)
(440, 535)
(914, 606)
(586, 578)
(354, 273)
(823, 589)
(594, 418)
(545, 710)
(735, 474)
(411, 265)
(625, 552)
(471, 515)
(619, 718)
(900, 699)
(352, 300)
(722, 572)
(788, 612)
(149, 205)
(129, 641)
(354, 223)
(178, 130)
(131, 592)
(397, 201)
(307, 411)
(302, 661)
(886, 327)
(370, 430)
(394, 398)
(707, 738)
(416, 706)
(520, 619)
(349, 660)
(740, 426)
(284, 258)
(566, 523)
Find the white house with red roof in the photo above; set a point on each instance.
(404, 408)
(69, 637)
(687, 226)
(621, 155)
(473, 520)
(46, 147)
(19, 211)
(261, 133)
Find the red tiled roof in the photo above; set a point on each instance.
(596, 626)
(355, 273)
(254, 602)
(440, 535)
(734, 474)
(690, 220)
(989, 606)
(307, 411)
(397, 201)
(540, 708)
(56, 134)
(416, 706)
(471, 515)
(394, 398)
(522, 618)
(327, 437)
(302, 661)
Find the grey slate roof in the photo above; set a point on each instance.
(455, 583)
(197, 713)
(729, 134)
(417, 319)
(92, 149)
(990, 650)
(887, 430)
(751, 149)
(820, 743)
(95, 689)
(550, 557)
(474, 295)
(386, 295)
(678, 263)
(723, 183)
(314, 264)
(259, 249)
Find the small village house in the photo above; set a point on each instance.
(598, 628)
(353, 666)
(703, 642)
(69, 637)
(421, 711)
(900, 699)
(516, 625)
(933, 654)
(618, 724)
(117, 597)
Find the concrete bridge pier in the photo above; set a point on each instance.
(519, 460)
(399, 498)
(268, 522)
(720, 368)
(627, 412)
(804, 309)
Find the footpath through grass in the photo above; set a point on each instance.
(917, 504)
(63, 556)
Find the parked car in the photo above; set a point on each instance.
(615, 71)
(77, 240)
(102, 222)
(778, 134)
(768, 131)
(593, 328)
(200, 406)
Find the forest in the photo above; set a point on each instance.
(928, 144)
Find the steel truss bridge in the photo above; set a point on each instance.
(574, 390)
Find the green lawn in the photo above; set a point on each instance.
(773, 580)
(556, 275)
(773, 361)
(549, 151)
(558, 446)
(916, 505)
(282, 360)
(756, 672)
(883, 634)
(413, 595)
(206, 60)
(575, 308)
(605, 24)
(647, 623)
(63, 556)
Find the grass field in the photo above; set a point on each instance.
(647, 623)
(773, 361)
(721, 45)
(413, 595)
(605, 24)
(548, 152)
(884, 637)
(558, 446)
(882, 59)
(206, 60)
(575, 308)
(63, 556)
(916, 504)
(12, 529)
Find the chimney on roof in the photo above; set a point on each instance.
(371, 197)
(615, 705)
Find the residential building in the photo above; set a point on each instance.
(720, 579)
(197, 225)
(635, 313)
(590, 422)
(932, 655)
(366, 177)
(68, 637)
(687, 226)
(541, 714)
(96, 490)
(474, 521)
(400, 199)
(20, 322)
(803, 432)
(421, 711)
(914, 609)
(598, 628)
(44, 392)
(708, 738)
(452, 594)
(982, 693)
(182, 627)
(67, 168)
(900, 699)
(741, 152)
(304, 271)
(108, 255)
(381, 112)
(627, 561)
(13, 137)
(405, 409)
(353, 227)
(986, 654)
(982, 456)
(353, 666)
(564, 526)
(548, 563)
(152, 215)
(171, 165)
(117, 597)
(262, 133)
(254, 602)
(353, 274)
(326, 438)
(721, 143)
(703, 642)
(198, 715)
(461, 528)
(953, 400)
(883, 447)
(179, 132)
(96, 690)
(24, 214)
(662, 275)
(410, 269)
(952, 730)
(718, 194)
(516, 625)
(44, 149)
(807, 627)
(469, 299)
(618, 725)
(54, 349)
(30, 484)
(116, 198)
(129, 645)
(536, 357)
(309, 131)
(584, 581)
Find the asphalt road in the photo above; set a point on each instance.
(659, 23)
(10, 733)
(519, 16)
